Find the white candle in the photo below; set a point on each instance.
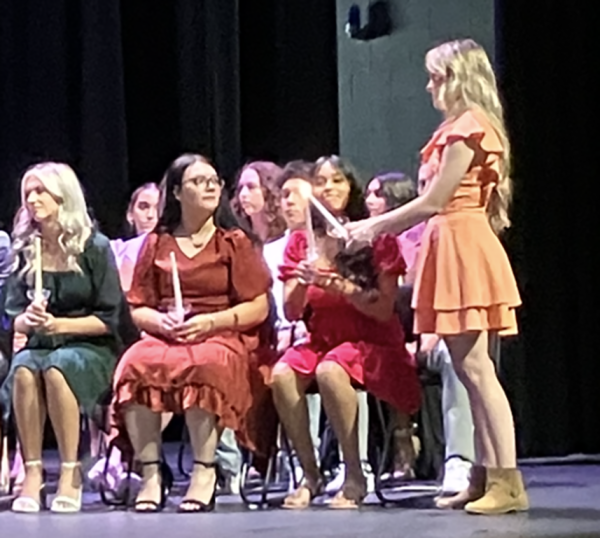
(337, 225)
(37, 267)
(176, 287)
(311, 247)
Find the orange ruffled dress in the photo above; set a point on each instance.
(223, 374)
(464, 281)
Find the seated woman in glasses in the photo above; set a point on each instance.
(202, 362)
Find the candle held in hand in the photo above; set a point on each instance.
(311, 244)
(37, 267)
(335, 224)
(178, 298)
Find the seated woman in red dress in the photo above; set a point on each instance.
(355, 339)
(206, 364)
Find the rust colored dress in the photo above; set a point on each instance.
(222, 374)
(464, 281)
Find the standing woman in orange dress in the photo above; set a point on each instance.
(465, 289)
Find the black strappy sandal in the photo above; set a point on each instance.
(195, 505)
(166, 481)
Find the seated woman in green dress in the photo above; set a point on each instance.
(72, 338)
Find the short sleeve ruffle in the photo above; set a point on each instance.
(144, 284)
(387, 255)
(295, 252)
(250, 276)
(470, 124)
(105, 280)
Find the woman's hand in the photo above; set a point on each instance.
(363, 232)
(50, 325)
(308, 274)
(196, 328)
(168, 323)
(305, 272)
(35, 315)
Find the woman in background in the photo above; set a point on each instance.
(141, 219)
(256, 200)
(385, 192)
(141, 216)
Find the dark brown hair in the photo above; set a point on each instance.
(396, 188)
(355, 209)
(296, 170)
(268, 174)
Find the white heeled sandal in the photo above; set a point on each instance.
(61, 504)
(29, 505)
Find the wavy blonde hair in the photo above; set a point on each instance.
(73, 218)
(469, 82)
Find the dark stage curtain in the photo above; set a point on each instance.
(117, 90)
(62, 96)
(288, 61)
(182, 83)
(553, 371)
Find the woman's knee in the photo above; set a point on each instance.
(283, 376)
(25, 379)
(475, 369)
(54, 379)
(331, 374)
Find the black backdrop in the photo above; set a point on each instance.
(118, 89)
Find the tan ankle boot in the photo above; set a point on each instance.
(475, 490)
(504, 492)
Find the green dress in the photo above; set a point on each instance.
(86, 362)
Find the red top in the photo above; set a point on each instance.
(372, 352)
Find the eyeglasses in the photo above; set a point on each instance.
(203, 181)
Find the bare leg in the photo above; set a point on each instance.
(492, 417)
(63, 410)
(204, 437)
(289, 395)
(4, 465)
(504, 490)
(30, 415)
(143, 427)
(403, 445)
(341, 406)
(165, 419)
(96, 437)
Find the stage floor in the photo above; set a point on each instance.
(565, 502)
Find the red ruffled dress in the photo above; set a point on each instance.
(464, 281)
(224, 374)
(373, 353)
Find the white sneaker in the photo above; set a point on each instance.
(232, 484)
(336, 484)
(456, 476)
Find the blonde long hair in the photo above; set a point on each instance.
(73, 219)
(469, 82)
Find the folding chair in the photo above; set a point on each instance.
(428, 463)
